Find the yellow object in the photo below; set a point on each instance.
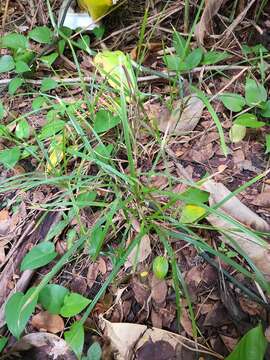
(96, 8)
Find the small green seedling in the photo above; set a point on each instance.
(160, 267)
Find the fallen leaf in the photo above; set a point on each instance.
(210, 10)
(186, 322)
(158, 290)
(250, 307)
(4, 222)
(139, 253)
(44, 343)
(185, 116)
(129, 340)
(44, 321)
(92, 274)
(195, 275)
(259, 254)
(141, 291)
(229, 342)
(262, 199)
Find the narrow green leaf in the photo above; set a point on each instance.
(105, 121)
(52, 297)
(3, 342)
(48, 84)
(40, 255)
(73, 304)
(249, 120)
(22, 129)
(41, 34)
(14, 41)
(255, 93)
(267, 143)
(179, 44)
(251, 347)
(17, 314)
(10, 157)
(96, 239)
(75, 338)
(6, 63)
(233, 102)
(2, 111)
(14, 85)
(237, 133)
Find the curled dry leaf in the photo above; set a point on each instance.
(210, 10)
(237, 210)
(45, 321)
(44, 343)
(139, 253)
(184, 117)
(129, 339)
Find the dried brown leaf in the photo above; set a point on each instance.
(210, 10)
(4, 222)
(92, 274)
(44, 321)
(158, 290)
(185, 116)
(139, 253)
(263, 200)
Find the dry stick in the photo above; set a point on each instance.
(4, 16)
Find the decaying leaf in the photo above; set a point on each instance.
(184, 117)
(129, 339)
(5, 222)
(263, 200)
(210, 10)
(158, 290)
(44, 321)
(44, 343)
(237, 210)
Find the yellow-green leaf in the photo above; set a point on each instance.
(191, 213)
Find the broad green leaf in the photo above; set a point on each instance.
(3, 342)
(94, 352)
(233, 102)
(24, 55)
(73, 304)
(40, 255)
(160, 267)
(49, 59)
(48, 84)
(237, 133)
(191, 213)
(265, 112)
(102, 152)
(105, 121)
(173, 62)
(14, 41)
(10, 157)
(6, 63)
(267, 143)
(83, 42)
(249, 120)
(22, 129)
(14, 85)
(117, 68)
(21, 67)
(179, 44)
(2, 110)
(41, 34)
(75, 338)
(192, 60)
(255, 93)
(51, 129)
(213, 57)
(39, 102)
(17, 313)
(195, 194)
(251, 347)
(99, 31)
(52, 297)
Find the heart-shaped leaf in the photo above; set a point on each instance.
(18, 311)
(6, 63)
(22, 129)
(75, 338)
(38, 256)
(255, 93)
(233, 102)
(52, 297)
(48, 84)
(14, 85)
(14, 41)
(41, 34)
(73, 304)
